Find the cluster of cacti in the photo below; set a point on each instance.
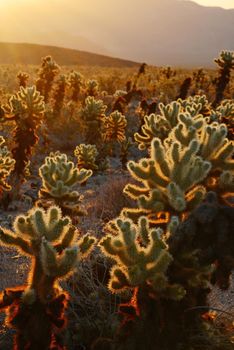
(36, 311)
(195, 156)
(26, 109)
(154, 264)
(170, 300)
(47, 73)
(7, 164)
(86, 156)
(59, 176)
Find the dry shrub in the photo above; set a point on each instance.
(110, 199)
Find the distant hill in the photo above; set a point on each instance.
(20, 53)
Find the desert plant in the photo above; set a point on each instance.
(92, 115)
(141, 258)
(170, 179)
(86, 156)
(23, 79)
(184, 88)
(49, 240)
(59, 176)
(168, 72)
(59, 95)
(75, 81)
(7, 164)
(174, 298)
(225, 63)
(92, 88)
(47, 73)
(26, 110)
(113, 127)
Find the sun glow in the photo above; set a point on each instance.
(228, 4)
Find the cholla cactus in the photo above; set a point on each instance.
(59, 95)
(59, 176)
(23, 78)
(114, 127)
(92, 115)
(187, 129)
(199, 78)
(47, 73)
(168, 72)
(197, 104)
(75, 82)
(214, 147)
(7, 164)
(225, 63)
(170, 179)
(92, 88)
(26, 109)
(86, 156)
(49, 240)
(141, 258)
(225, 114)
(184, 88)
(160, 125)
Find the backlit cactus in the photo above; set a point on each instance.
(47, 73)
(26, 109)
(86, 156)
(141, 259)
(75, 82)
(49, 240)
(7, 164)
(23, 79)
(92, 88)
(114, 127)
(92, 115)
(59, 95)
(59, 176)
(225, 63)
(170, 179)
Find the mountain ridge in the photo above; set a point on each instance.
(28, 53)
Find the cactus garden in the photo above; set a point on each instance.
(117, 207)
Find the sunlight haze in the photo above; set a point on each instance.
(134, 29)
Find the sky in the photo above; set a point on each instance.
(222, 3)
(7, 3)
